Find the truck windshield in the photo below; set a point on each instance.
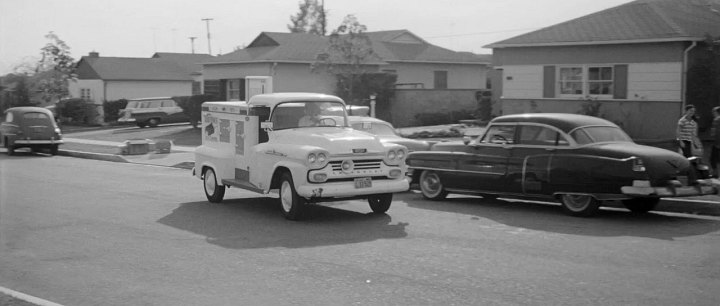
(308, 114)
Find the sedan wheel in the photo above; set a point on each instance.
(153, 122)
(431, 186)
(380, 203)
(291, 203)
(213, 191)
(641, 205)
(579, 205)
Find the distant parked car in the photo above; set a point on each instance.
(30, 127)
(579, 160)
(152, 111)
(386, 132)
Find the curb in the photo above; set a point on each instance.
(98, 156)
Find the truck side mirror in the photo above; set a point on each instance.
(266, 125)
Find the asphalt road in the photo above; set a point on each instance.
(86, 232)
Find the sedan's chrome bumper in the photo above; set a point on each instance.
(703, 187)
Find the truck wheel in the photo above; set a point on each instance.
(431, 186)
(213, 191)
(291, 203)
(380, 203)
(579, 205)
(641, 205)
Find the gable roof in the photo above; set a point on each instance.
(640, 21)
(189, 61)
(390, 46)
(130, 68)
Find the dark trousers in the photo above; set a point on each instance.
(687, 148)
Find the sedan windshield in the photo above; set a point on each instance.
(594, 134)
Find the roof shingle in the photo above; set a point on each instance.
(637, 21)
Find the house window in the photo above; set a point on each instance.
(441, 79)
(85, 94)
(600, 80)
(233, 90)
(585, 80)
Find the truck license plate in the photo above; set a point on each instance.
(363, 182)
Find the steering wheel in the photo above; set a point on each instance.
(327, 122)
(498, 138)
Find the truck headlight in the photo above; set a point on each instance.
(395, 156)
(317, 160)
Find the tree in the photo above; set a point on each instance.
(14, 91)
(310, 18)
(348, 56)
(54, 69)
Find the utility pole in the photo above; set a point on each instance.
(207, 22)
(192, 43)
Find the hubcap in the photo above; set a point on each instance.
(431, 184)
(210, 183)
(576, 202)
(286, 196)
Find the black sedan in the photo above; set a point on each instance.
(579, 160)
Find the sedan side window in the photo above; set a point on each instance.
(541, 136)
(499, 134)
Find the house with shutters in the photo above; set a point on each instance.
(102, 79)
(627, 64)
(447, 79)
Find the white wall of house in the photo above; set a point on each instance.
(95, 87)
(116, 90)
(459, 76)
(646, 81)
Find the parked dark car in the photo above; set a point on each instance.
(386, 132)
(30, 127)
(152, 111)
(579, 160)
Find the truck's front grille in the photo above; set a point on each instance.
(361, 164)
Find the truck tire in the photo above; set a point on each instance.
(213, 191)
(380, 203)
(291, 204)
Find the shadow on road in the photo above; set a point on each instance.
(608, 222)
(257, 223)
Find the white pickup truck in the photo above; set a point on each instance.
(299, 144)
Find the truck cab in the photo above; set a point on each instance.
(299, 144)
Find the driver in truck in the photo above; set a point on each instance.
(312, 115)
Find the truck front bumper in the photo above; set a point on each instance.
(347, 189)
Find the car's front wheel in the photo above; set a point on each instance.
(579, 205)
(641, 205)
(53, 149)
(380, 203)
(153, 122)
(431, 186)
(291, 203)
(213, 191)
(10, 147)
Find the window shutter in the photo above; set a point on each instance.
(549, 82)
(620, 82)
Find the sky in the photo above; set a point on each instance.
(139, 28)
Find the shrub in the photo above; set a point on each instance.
(76, 111)
(112, 109)
(425, 119)
(192, 106)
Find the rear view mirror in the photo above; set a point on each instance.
(266, 125)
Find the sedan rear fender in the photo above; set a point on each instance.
(589, 173)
